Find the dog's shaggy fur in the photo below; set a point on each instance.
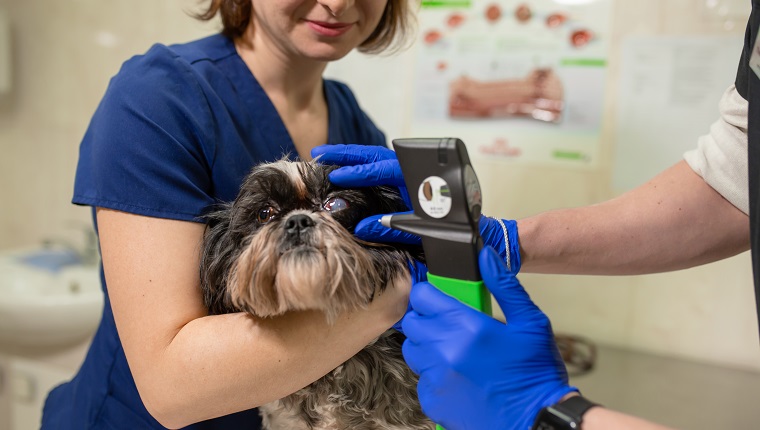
(285, 244)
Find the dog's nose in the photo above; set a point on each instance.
(298, 223)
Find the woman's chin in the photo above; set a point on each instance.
(326, 52)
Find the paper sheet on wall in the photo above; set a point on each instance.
(668, 97)
(722, 10)
(519, 81)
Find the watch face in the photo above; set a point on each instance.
(552, 423)
(549, 421)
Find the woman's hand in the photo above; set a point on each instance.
(363, 166)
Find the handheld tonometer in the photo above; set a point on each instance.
(446, 199)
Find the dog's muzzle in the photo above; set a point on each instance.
(298, 228)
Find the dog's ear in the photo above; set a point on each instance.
(219, 250)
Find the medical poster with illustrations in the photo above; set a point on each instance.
(519, 81)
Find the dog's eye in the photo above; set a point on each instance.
(335, 204)
(266, 214)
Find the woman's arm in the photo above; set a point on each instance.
(601, 418)
(189, 366)
(605, 419)
(673, 222)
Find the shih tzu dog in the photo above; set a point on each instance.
(286, 244)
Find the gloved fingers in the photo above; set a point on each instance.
(349, 155)
(429, 392)
(446, 407)
(418, 328)
(514, 301)
(364, 166)
(397, 326)
(371, 230)
(428, 301)
(382, 172)
(419, 357)
(434, 332)
(405, 196)
(418, 271)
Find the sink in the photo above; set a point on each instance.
(47, 299)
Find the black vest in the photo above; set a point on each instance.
(748, 86)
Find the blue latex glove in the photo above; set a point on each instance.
(418, 272)
(364, 166)
(491, 231)
(476, 372)
(375, 165)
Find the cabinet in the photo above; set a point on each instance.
(24, 385)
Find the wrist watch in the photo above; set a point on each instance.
(566, 415)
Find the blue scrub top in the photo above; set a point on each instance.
(176, 132)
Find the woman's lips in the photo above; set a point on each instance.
(329, 29)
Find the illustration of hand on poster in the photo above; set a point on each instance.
(520, 80)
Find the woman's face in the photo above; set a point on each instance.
(321, 30)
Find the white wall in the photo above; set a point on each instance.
(65, 52)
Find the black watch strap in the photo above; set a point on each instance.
(575, 407)
(566, 415)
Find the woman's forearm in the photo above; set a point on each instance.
(673, 222)
(605, 419)
(254, 362)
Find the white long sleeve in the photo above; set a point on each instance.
(721, 156)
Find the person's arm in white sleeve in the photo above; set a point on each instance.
(693, 213)
(721, 156)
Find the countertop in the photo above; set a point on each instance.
(673, 392)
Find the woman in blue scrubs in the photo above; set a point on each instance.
(177, 130)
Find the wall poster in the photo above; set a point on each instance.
(517, 80)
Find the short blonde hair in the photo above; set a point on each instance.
(392, 32)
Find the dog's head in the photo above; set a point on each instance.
(286, 243)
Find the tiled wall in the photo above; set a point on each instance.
(65, 53)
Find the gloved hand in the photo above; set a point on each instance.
(491, 230)
(375, 165)
(364, 166)
(477, 372)
(418, 272)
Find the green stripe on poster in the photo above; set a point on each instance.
(446, 3)
(584, 62)
(568, 155)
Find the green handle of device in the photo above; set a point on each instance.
(472, 293)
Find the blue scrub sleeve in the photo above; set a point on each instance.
(148, 149)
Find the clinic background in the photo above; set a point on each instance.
(63, 54)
